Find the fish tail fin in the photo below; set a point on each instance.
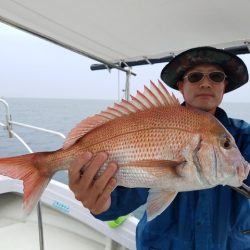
(28, 169)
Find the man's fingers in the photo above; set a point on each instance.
(91, 171)
(91, 189)
(77, 165)
(97, 186)
(104, 200)
(102, 181)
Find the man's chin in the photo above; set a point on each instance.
(205, 107)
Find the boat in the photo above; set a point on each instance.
(118, 35)
(60, 221)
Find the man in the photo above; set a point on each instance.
(216, 218)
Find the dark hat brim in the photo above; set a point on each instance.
(234, 68)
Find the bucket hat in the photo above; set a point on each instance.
(234, 68)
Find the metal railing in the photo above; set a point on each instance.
(8, 126)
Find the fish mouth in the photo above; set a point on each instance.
(243, 170)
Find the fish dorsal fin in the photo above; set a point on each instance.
(155, 96)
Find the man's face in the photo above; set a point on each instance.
(204, 94)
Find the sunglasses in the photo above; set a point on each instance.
(215, 76)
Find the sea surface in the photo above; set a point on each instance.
(62, 115)
(54, 114)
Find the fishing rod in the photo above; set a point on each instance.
(243, 189)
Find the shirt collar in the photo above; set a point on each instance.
(221, 115)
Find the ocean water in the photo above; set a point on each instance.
(54, 114)
(62, 115)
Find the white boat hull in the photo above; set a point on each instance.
(66, 224)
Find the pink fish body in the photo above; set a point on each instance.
(157, 144)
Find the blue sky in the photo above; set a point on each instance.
(33, 67)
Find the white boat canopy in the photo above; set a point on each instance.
(133, 31)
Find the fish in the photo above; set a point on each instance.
(157, 143)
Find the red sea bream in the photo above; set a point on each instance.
(157, 144)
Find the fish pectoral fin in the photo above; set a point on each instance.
(158, 200)
(157, 168)
(156, 163)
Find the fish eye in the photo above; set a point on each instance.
(226, 143)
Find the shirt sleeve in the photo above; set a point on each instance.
(124, 201)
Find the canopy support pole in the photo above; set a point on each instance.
(127, 86)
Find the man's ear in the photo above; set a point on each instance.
(180, 86)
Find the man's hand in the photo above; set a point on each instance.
(94, 192)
